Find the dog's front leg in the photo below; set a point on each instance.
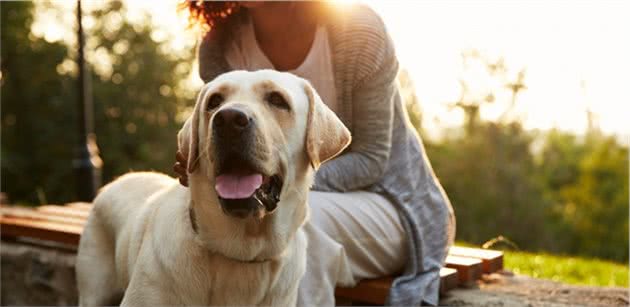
(95, 266)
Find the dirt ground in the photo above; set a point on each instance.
(506, 289)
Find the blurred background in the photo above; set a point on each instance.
(523, 108)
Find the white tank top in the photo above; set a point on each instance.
(244, 53)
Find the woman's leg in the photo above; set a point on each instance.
(351, 236)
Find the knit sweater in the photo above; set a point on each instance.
(386, 155)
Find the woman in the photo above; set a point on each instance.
(377, 209)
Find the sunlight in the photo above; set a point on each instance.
(522, 107)
(574, 54)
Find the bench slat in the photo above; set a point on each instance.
(449, 279)
(64, 211)
(468, 269)
(374, 291)
(80, 206)
(44, 230)
(27, 213)
(492, 260)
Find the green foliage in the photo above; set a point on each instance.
(36, 122)
(488, 176)
(588, 188)
(567, 269)
(137, 104)
(137, 96)
(545, 191)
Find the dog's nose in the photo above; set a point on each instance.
(231, 119)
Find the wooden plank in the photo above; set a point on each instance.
(468, 269)
(44, 230)
(371, 291)
(64, 211)
(449, 280)
(30, 214)
(80, 206)
(492, 260)
(375, 291)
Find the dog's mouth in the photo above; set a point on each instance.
(245, 191)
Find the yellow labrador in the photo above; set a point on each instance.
(234, 237)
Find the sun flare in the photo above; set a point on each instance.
(574, 55)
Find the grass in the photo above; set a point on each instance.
(567, 269)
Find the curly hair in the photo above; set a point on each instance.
(209, 14)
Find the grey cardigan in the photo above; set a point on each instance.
(386, 155)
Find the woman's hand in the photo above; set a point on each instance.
(180, 168)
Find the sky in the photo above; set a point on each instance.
(576, 54)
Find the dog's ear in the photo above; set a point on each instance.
(326, 135)
(188, 136)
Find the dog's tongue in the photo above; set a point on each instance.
(237, 186)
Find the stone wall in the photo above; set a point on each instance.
(37, 275)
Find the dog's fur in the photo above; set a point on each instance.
(152, 241)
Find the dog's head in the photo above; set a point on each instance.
(251, 133)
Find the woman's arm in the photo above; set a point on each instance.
(212, 62)
(373, 99)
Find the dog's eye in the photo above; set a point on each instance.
(277, 100)
(214, 101)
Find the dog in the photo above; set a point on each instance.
(234, 237)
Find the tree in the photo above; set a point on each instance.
(36, 122)
(489, 171)
(137, 96)
(587, 183)
(138, 101)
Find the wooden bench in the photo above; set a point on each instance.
(64, 224)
